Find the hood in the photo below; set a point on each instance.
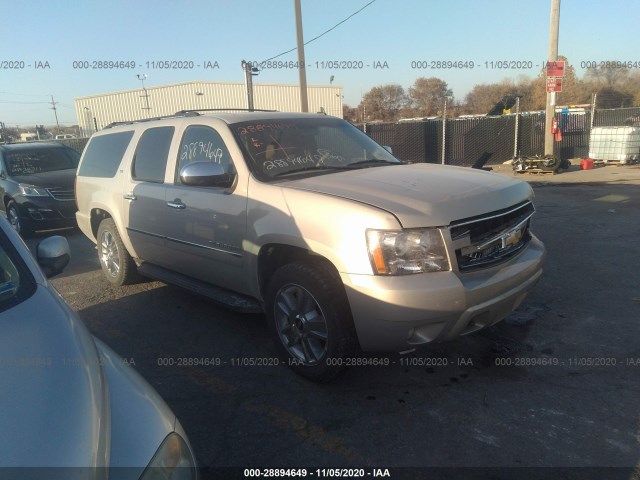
(57, 178)
(422, 195)
(54, 404)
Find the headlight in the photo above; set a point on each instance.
(172, 461)
(31, 191)
(403, 252)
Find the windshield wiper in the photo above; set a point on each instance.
(371, 162)
(305, 169)
(351, 166)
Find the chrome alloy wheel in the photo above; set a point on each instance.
(109, 256)
(301, 324)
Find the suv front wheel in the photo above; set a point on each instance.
(310, 320)
(116, 263)
(20, 226)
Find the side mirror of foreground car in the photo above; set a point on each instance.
(53, 255)
(206, 174)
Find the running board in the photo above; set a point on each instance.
(227, 298)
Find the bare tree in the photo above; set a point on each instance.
(384, 102)
(427, 95)
(611, 74)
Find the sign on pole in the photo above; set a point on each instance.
(555, 69)
(554, 84)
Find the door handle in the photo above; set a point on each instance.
(176, 204)
(129, 196)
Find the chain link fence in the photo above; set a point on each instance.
(77, 144)
(478, 141)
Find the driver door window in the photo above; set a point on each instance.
(202, 144)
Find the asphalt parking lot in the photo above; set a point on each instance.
(555, 385)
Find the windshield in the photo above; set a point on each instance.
(31, 162)
(285, 147)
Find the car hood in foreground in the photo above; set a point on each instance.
(422, 195)
(54, 404)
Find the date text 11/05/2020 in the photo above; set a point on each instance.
(434, 362)
(331, 361)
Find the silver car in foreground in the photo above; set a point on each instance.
(68, 403)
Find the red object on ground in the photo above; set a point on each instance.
(586, 163)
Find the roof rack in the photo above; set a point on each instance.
(195, 111)
(185, 113)
(130, 122)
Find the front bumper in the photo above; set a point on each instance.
(41, 213)
(400, 313)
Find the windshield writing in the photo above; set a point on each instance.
(299, 145)
(38, 161)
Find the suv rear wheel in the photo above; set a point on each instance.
(310, 320)
(116, 263)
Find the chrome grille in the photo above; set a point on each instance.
(493, 238)
(61, 193)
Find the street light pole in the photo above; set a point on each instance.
(142, 78)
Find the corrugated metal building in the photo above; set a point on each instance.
(99, 110)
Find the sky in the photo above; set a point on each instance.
(46, 44)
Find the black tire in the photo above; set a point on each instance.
(310, 320)
(116, 263)
(18, 224)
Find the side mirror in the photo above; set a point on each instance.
(53, 255)
(206, 174)
(388, 149)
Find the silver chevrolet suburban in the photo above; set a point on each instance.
(305, 218)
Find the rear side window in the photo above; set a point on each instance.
(103, 155)
(150, 160)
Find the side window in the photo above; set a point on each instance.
(150, 160)
(104, 154)
(203, 144)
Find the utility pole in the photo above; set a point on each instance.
(304, 103)
(554, 26)
(248, 79)
(55, 112)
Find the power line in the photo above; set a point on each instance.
(25, 103)
(26, 94)
(322, 34)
